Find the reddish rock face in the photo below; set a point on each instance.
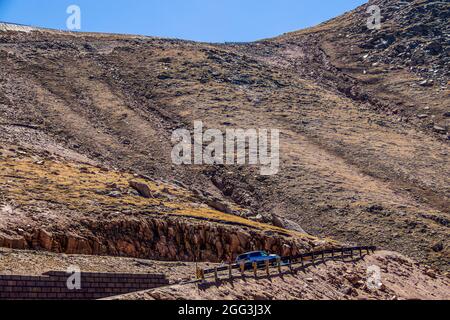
(171, 239)
(45, 240)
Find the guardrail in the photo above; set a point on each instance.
(278, 263)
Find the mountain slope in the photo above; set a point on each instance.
(364, 144)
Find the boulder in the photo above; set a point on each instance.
(219, 205)
(277, 221)
(438, 246)
(439, 129)
(294, 226)
(143, 189)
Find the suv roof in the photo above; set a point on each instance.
(251, 253)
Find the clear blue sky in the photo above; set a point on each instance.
(201, 20)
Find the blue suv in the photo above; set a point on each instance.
(260, 257)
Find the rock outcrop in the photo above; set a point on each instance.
(162, 239)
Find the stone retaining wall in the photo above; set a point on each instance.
(53, 286)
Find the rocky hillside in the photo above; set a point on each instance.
(49, 203)
(86, 123)
(413, 35)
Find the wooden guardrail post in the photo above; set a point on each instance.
(267, 268)
(230, 271)
(255, 269)
(279, 264)
(360, 252)
(303, 262)
(323, 256)
(216, 276)
(313, 258)
(242, 267)
(200, 273)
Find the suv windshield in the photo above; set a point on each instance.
(258, 254)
